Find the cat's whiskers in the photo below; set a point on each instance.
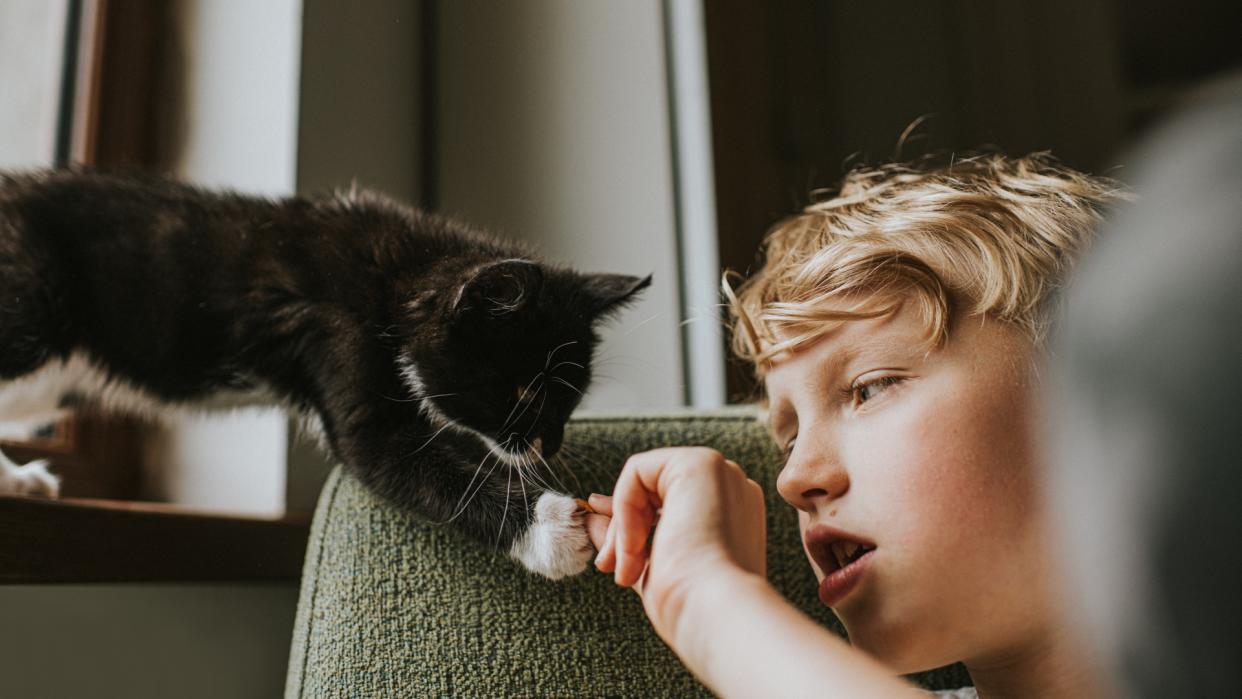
(563, 363)
(431, 439)
(563, 459)
(548, 467)
(415, 399)
(522, 483)
(560, 461)
(630, 362)
(463, 502)
(537, 452)
(520, 404)
(571, 386)
(555, 350)
(500, 532)
(534, 472)
(639, 324)
(600, 473)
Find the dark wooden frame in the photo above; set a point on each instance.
(96, 541)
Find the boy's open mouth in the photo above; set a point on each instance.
(841, 557)
(846, 552)
(833, 550)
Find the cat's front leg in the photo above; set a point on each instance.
(543, 530)
(554, 543)
(488, 496)
(30, 479)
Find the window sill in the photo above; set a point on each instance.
(88, 541)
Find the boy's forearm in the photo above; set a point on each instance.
(742, 639)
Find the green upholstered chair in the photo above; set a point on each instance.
(392, 606)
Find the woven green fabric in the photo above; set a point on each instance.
(392, 606)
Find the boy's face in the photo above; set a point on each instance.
(927, 457)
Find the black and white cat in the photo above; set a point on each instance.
(440, 365)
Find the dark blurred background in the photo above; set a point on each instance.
(802, 90)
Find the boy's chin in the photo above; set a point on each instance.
(901, 649)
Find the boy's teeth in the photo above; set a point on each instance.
(850, 549)
(843, 551)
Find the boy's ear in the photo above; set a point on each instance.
(498, 289)
(608, 293)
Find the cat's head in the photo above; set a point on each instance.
(506, 350)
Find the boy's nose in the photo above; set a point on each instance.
(808, 479)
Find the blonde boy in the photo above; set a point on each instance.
(897, 328)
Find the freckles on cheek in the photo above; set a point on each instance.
(933, 458)
(972, 462)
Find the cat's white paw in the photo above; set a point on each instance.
(30, 479)
(556, 544)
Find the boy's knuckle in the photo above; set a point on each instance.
(708, 454)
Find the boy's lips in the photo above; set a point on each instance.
(842, 557)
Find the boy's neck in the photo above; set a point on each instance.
(1054, 665)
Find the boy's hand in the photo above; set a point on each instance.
(711, 528)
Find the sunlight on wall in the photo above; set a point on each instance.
(31, 40)
(554, 127)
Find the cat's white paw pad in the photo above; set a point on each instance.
(30, 479)
(556, 545)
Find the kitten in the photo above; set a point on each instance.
(439, 365)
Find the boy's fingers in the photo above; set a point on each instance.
(602, 504)
(597, 529)
(635, 500)
(605, 561)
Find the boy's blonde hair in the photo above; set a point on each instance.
(988, 234)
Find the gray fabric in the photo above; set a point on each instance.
(1148, 470)
(393, 606)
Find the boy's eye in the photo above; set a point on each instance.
(789, 447)
(864, 392)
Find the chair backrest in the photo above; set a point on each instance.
(393, 606)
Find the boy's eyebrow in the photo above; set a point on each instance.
(893, 342)
(830, 370)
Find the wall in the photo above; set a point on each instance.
(553, 126)
(31, 40)
(140, 641)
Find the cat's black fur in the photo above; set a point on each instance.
(385, 322)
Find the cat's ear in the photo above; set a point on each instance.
(609, 293)
(498, 289)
